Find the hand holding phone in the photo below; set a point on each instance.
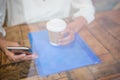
(19, 50)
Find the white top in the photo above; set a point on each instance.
(29, 11)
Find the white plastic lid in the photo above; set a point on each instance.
(56, 25)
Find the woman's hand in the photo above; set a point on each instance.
(11, 55)
(72, 28)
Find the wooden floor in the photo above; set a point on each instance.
(103, 36)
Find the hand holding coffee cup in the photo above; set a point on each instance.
(55, 27)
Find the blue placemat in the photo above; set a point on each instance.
(54, 59)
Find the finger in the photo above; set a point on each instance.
(66, 31)
(19, 57)
(29, 57)
(18, 52)
(13, 43)
(68, 37)
(66, 40)
(10, 59)
(16, 44)
(10, 55)
(28, 53)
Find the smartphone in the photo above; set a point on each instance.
(19, 50)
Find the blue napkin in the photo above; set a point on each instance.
(54, 59)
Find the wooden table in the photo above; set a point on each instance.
(103, 36)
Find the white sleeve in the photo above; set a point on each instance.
(84, 8)
(2, 15)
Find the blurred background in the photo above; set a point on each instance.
(104, 5)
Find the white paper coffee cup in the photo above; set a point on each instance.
(54, 27)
